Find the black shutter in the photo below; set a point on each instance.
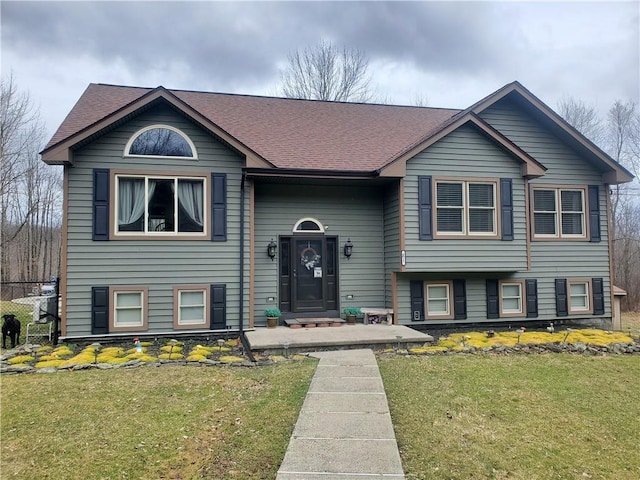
(493, 299)
(417, 300)
(459, 300)
(219, 207)
(531, 292)
(99, 310)
(506, 206)
(594, 213)
(218, 307)
(100, 204)
(561, 297)
(424, 208)
(598, 296)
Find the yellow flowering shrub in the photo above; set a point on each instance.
(135, 350)
(44, 348)
(170, 356)
(19, 359)
(143, 357)
(169, 348)
(194, 357)
(49, 363)
(458, 341)
(112, 351)
(231, 359)
(63, 351)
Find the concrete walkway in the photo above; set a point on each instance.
(344, 429)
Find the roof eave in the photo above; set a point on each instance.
(61, 153)
(615, 173)
(310, 173)
(530, 166)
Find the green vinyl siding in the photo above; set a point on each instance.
(549, 259)
(465, 154)
(155, 263)
(346, 212)
(391, 211)
(557, 259)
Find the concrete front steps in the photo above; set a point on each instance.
(283, 340)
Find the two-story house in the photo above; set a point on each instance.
(192, 211)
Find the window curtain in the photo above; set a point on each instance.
(130, 200)
(190, 196)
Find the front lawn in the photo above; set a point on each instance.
(631, 322)
(552, 416)
(172, 422)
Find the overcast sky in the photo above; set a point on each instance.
(451, 53)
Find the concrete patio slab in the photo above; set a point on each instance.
(285, 339)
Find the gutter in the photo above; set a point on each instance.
(243, 338)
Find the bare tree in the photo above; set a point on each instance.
(326, 72)
(30, 192)
(623, 122)
(583, 118)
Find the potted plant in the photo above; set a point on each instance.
(272, 314)
(351, 313)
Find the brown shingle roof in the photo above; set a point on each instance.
(292, 134)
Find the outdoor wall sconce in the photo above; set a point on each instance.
(271, 249)
(348, 249)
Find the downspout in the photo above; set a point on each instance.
(243, 338)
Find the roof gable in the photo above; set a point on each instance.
(271, 132)
(614, 172)
(312, 135)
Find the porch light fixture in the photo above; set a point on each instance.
(271, 249)
(348, 249)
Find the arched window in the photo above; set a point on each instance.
(161, 141)
(308, 225)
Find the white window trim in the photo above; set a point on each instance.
(438, 315)
(466, 208)
(558, 213)
(113, 299)
(133, 137)
(587, 296)
(308, 219)
(177, 311)
(512, 313)
(153, 233)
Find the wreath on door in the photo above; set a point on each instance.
(309, 258)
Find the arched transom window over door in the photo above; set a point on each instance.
(308, 225)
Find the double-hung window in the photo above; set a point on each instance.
(466, 208)
(511, 303)
(438, 301)
(579, 295)
(190, 306)
(129, 308)
(160, 205)
(559, 213)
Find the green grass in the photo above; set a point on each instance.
(631, 321)
(169, 422)
(515, 417)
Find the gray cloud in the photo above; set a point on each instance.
(453, 52)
